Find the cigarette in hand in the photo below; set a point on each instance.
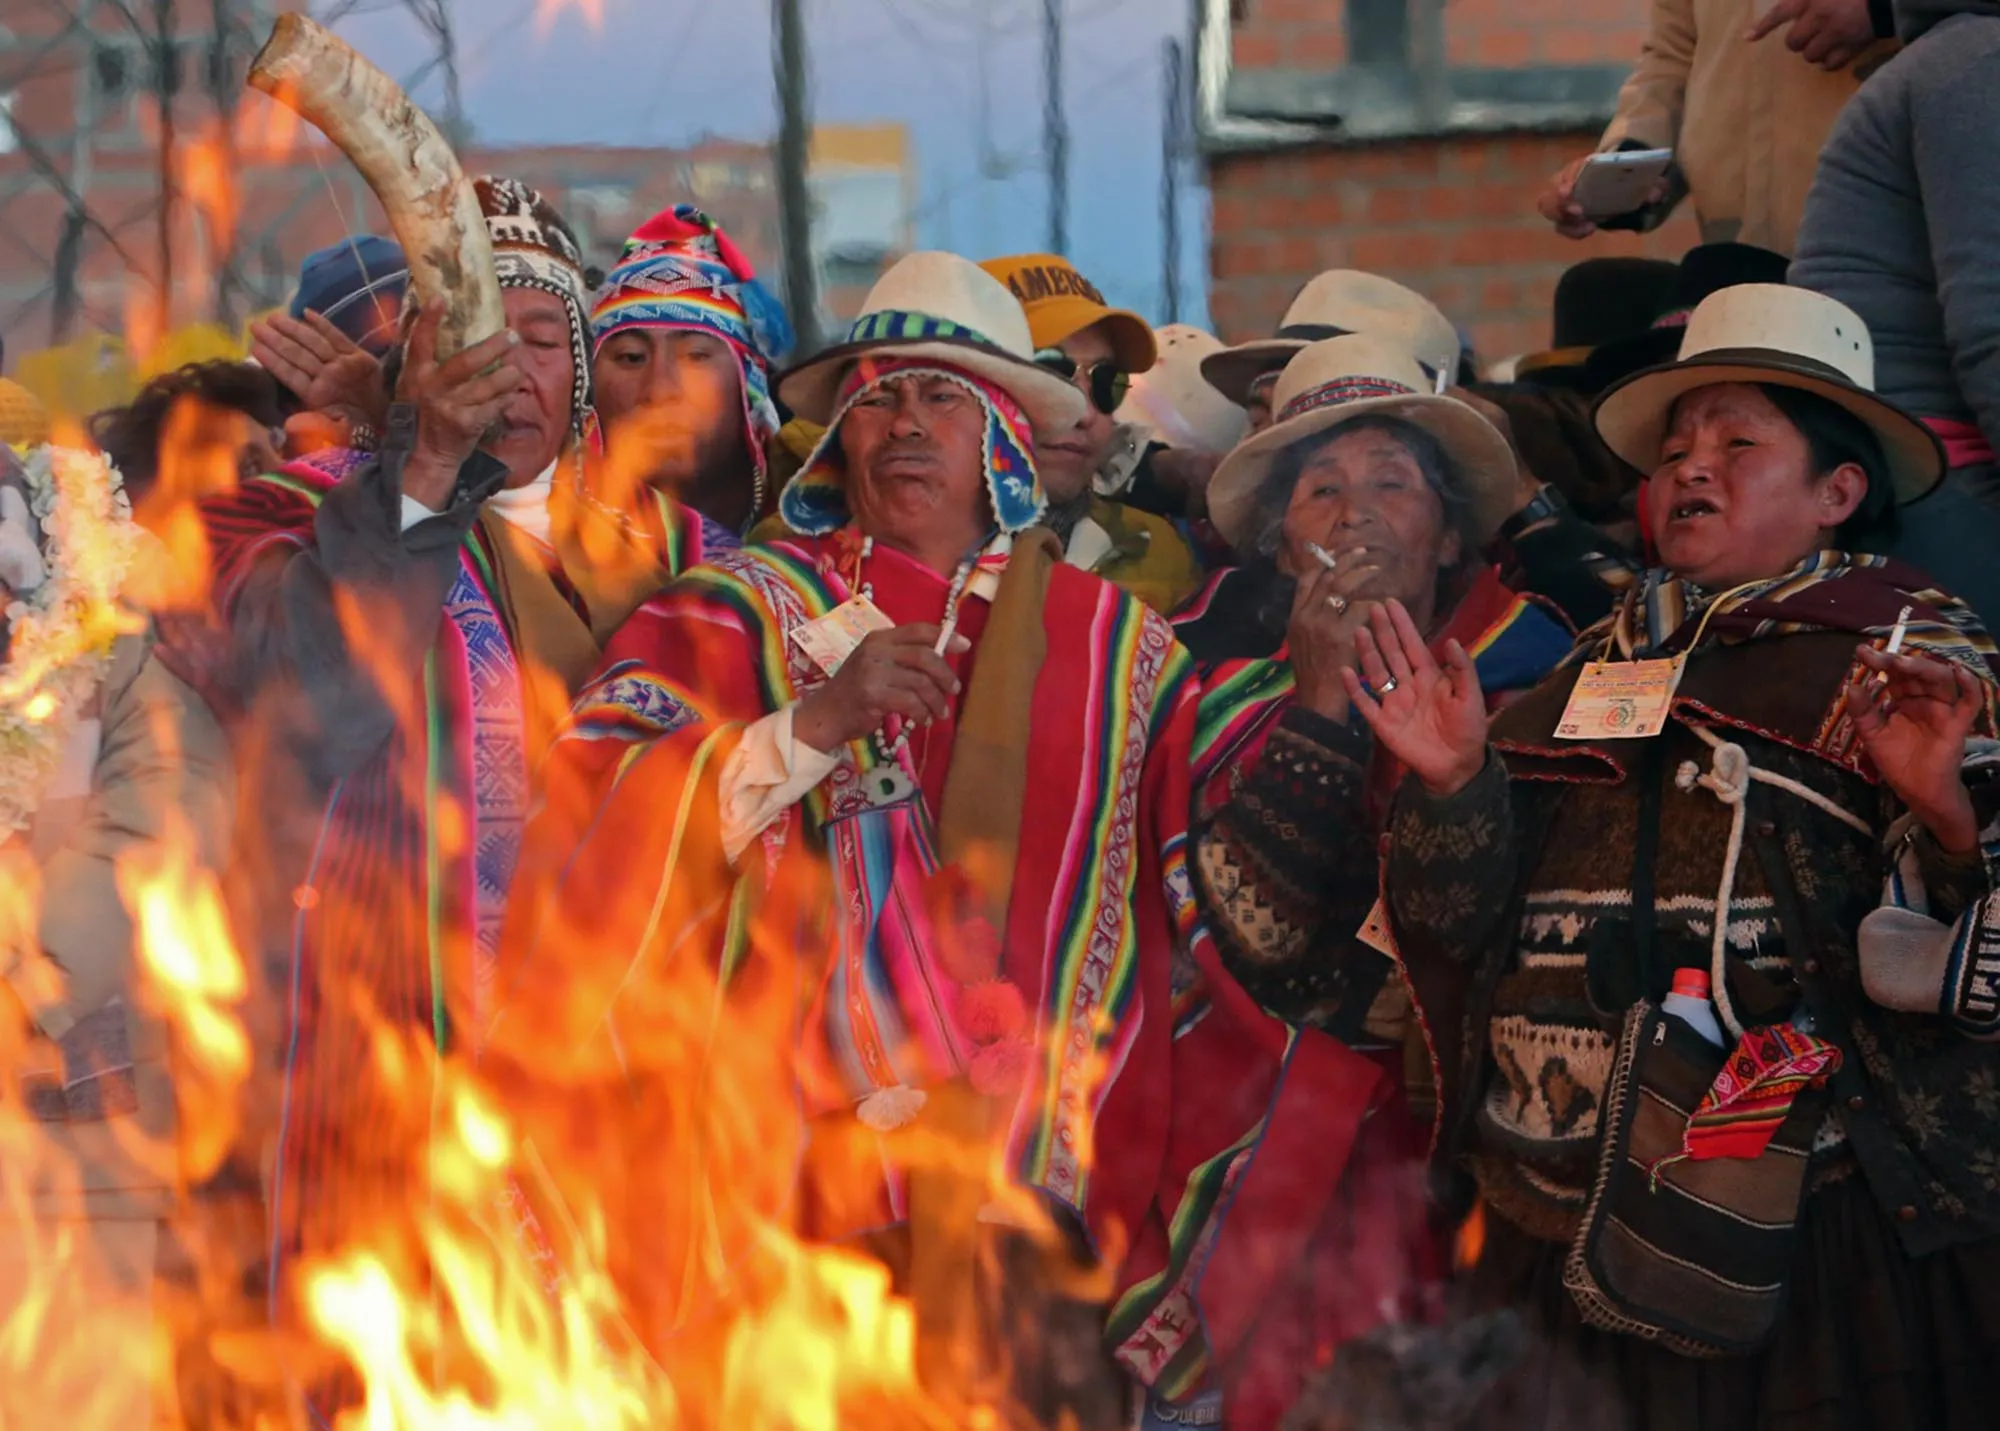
(1321, 555)
(944, 636)
(1901, 629)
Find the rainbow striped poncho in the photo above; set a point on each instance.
(1154, 1080)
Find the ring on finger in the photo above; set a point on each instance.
(1389, 685)
(1338, 603)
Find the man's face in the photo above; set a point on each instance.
(916, 464)
(535, 424)
(672, 404)
(1069, 459)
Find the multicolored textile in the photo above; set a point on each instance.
(534, 248)
(1770, 1068)
(1155, 1085)
(1513, 640)
(1829, 591)
(681, 271)
(399, 915)
(815, 501)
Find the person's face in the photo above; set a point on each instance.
(1069, 459)
(1364, 492)
(916, 464)
(672, 404)
(1259, 405)
(1734, 498)
(535, 424)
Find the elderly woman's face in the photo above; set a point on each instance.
(1734, 498)
(1364, 492)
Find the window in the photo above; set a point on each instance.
(1378, 32)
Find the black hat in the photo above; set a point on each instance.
(1598, 301)
(1705, 270)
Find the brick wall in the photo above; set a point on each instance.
(1452, 218)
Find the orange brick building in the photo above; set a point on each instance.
(1409, 138)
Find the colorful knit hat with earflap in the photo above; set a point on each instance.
(815, 501)
(534, 248)
(681, 271)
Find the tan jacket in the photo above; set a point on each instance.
(161, 757)
(1745, 121)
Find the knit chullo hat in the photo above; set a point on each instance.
(534, 248)
(681, 271)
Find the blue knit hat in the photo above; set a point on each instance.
(357, 285)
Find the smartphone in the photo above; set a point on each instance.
(1613, 184)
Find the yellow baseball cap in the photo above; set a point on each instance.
(1060, 303)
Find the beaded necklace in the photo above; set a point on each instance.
(888, 748)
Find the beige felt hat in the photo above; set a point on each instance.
(947, 309)
(1769, 333)
(1175, 404)
(1330, 306)
(1339, 380)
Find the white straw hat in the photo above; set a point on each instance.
(1174, 404)
(1769, 333)
(947, 309)
(1341, 380)
(1333, 305)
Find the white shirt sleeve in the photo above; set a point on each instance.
(769, 771)
(415, 512)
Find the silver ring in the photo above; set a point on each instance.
(1338, 603)
(1389, 685)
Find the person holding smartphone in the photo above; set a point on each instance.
(1743, 115)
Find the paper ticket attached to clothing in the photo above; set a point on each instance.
(1621, 700)
(831, 639)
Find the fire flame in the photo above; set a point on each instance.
(548, 12)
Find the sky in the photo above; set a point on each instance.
(667, 71)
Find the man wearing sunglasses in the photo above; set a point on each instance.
(1098, 348)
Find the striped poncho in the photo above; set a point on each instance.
(1153, 1081)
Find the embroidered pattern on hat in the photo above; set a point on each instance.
(1343, 390)
(534, 248)
(895, 325)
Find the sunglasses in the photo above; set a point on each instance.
(1107, 382)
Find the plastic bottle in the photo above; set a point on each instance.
(1690, 1004)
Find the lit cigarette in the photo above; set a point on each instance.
(1322, 556)
(944, 636)
(1443, 382)
(1896, 636)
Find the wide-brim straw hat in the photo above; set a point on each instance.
(1769, 333)
(945, 309)
(1342, 380)
(1175, 405)
(1333, 305)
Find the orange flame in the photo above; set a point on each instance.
(1470, 1244)
(547, 12)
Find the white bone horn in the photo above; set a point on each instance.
(413, 171)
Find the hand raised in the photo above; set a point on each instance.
(1430, 717)
(1914, 714)
(457, 400)
(894, 672)
(327, 370)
